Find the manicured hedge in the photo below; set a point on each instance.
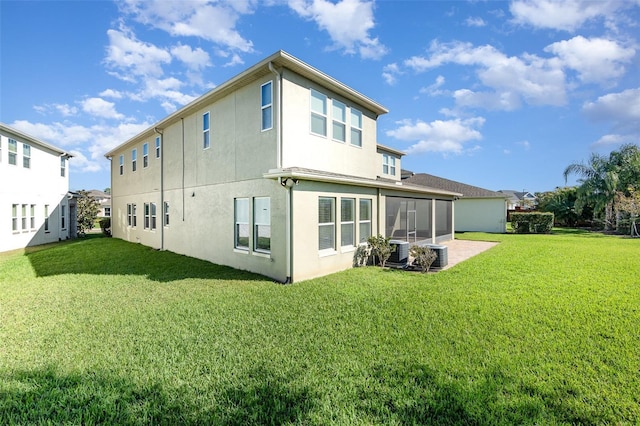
(532, 223)
(105, 226)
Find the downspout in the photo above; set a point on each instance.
(110, 192)
(160, 132)
(453, 218)
(433, 220)
(288, 223)
(378, 224)
(182, 123)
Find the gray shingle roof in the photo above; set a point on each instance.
(470, 191)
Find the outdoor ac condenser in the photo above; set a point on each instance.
(401, 253)
(442, 259)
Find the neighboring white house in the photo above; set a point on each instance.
(519, 199)
(104, 200)
(477, 210)
(34, 204)
(276, 171)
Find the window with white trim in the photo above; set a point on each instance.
(24, 217)
(63, 217)
(347, 222)
(134, 215)
(146, 215)
(318, 113)
(63, 166)
(46, 218)
(26, 156)
(326, 223)
(13, 152)
(32, 219)
(262, 224)
(356, 127)
(131, 215)
(266, 102)
(206, 137)
(153, 216)
(365, 219)
(388, 164)
(157, 146)
(14, 217)
(129, 221)
(165, 210)
(241, 230)
(145, 155)
(339, 120)
(107, 212)
(134, 159)
(121, 164)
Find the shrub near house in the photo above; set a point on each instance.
(532, 223)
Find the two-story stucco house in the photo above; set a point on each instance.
(276, 171)
(34, 206)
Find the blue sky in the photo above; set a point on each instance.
(501, 95)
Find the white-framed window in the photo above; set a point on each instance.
(129, 211)
(134, 215)
(26, 156)
(262, 224)
(206, 137)
(14, 217)
(131, 215)
(347, 222)
(165, 210)
(388, 164)
(24, 217)
(326, 223)
(157, 146)
(107, 212)
(356, 127)
(63, 166)
(339, 120)
(32, 219)
(365, 219)
(121, 164)
(318, 113)
(134, 159)
(146, 215)
(46, 218)
(266, 103)
(63, 217)
(145, 155)
(13, 152)
(153, 216)
(241, 229)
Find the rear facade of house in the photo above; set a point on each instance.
(277, 171)
(34, 203)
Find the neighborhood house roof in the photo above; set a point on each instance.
(24, 137)
(467, 191)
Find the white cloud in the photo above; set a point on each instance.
(131, 58)
(195, 59)
(98, 107)
(529, 78)
(348, 23)
(622, 107)
(434, 89)
(390, 73)
(211, 20)
(567, 15)
(613, 139)
(110, 93)
(475, 22)
(595, 59)
(438, 136)
(65, 110)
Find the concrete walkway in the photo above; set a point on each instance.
(460, 250)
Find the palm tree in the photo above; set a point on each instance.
(601, 178)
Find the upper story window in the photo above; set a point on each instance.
(388, 164)
(356, 127)
(63, 166)
(266, 102)
(26, 156)
(134, 159)
(206, 137)
(13, 152)
(122, 164)
(157, 146)
(145, 155)
(339, 115)
(318, 113)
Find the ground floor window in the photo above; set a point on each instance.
(14, 217)
(166, 213)
(241, 230)
(63, 217)
(131, 215)
(347, 222)
(365, 220)
(24, 217)
(33, 217)
(262, 224)
(146, 215)
(326, 223)
(46, 218)
(153, 216)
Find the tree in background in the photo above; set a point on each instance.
(630, 204)
(601, 178)
(88, 209)
(562, 203)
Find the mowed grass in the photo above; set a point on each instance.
(538, 330)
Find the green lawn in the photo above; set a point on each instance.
(541, 329)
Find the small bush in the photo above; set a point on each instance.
(423, 257)
(532, 223)
(105, 226)
(381, 248)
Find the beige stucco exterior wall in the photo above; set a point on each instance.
(303, 149)
(481, 215)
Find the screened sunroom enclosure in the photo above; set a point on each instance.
(415, 220)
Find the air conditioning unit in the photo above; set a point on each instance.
(442, 259)
(401, 253)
